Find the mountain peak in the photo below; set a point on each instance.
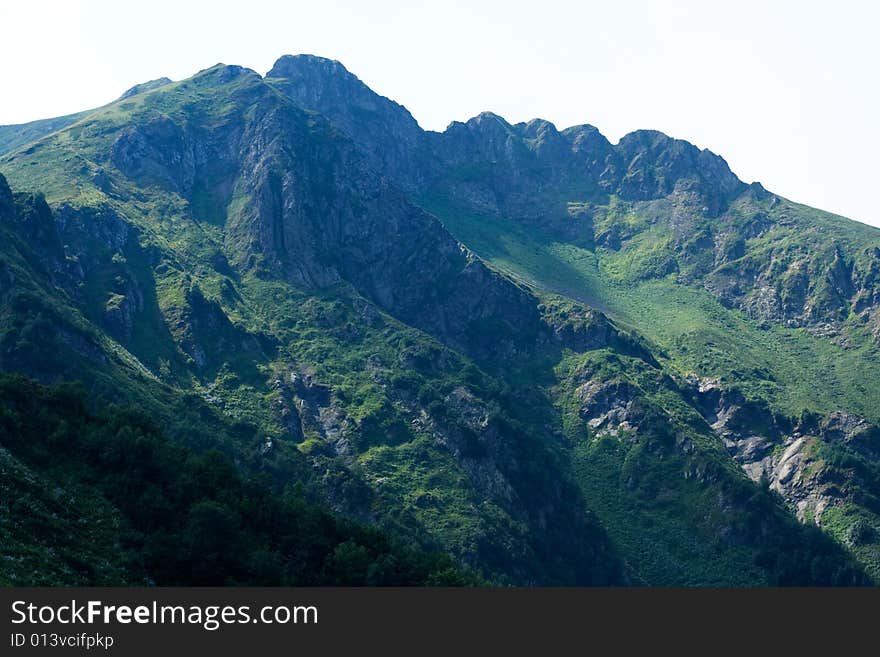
(388, 134)
(485, 123)
(321, 77)
(287, 64)
(325, 84)
(223, 73)
(538, 129)
(145, 86)
(654, 161)
(488, 116)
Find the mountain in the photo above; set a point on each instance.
(13, 137)
(498, 354)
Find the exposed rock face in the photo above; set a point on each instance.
(653, 165)
(489, 451)
(315, 82)
(322, 231)
(37, 227)
(203, 332)
(309, 410)
(478, 445)
(853, 432)
(793, 475)
(7, 204)
(85, 228)
(311, 208)
(782, 453)
(488, 165)
(156, 153)
(121, 309)
(30, 218)
(608, 407)
(185, 152)
(582, 329)
(523, 172)
(96, 242)
(798, 287)
(28, 227)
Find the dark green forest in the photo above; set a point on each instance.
(176, 517)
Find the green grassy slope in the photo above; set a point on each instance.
(796, 370)
(13, 137)
(695, 332)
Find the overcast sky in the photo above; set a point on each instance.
(787, 92)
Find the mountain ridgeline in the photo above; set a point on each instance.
(365, 353)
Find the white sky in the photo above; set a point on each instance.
(788, 92)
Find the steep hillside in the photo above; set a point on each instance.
(235, 247)
(749, 299)
(558, 360)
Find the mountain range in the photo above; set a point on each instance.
(267, 330)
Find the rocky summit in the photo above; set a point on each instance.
(266, 330)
